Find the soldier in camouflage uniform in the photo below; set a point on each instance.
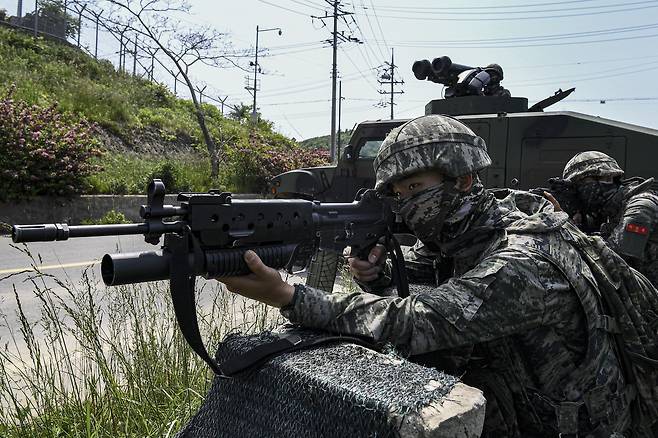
(520, 317)
(624, 212)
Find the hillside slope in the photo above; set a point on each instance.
(141, 125)
(323, 142)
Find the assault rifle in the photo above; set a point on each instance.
(207, 235)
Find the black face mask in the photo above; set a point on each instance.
(600, 198)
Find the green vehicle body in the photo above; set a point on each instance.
(527, 147)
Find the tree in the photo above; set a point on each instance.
(53, 19)
(183, 47)
(240, 112)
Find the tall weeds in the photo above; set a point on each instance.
(100, 361)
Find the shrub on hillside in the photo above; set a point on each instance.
(253, 166)
(172, 177)
(42, 152)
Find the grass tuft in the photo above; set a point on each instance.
(98, 361)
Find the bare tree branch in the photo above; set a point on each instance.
(151, 20)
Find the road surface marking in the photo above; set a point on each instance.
(45, 267)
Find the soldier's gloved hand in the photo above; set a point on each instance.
(368, 270)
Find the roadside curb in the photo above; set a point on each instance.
(75, 210)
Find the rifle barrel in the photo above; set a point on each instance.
(51, 232)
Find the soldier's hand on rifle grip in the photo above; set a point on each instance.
(264, 284)
(368, 270)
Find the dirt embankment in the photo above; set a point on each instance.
(149, 142)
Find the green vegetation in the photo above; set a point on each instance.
(324, 141)
(130, 173)
(111, 217)
(131, 115)
(42, 152)
(100, 362)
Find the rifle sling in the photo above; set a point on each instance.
(182, 296)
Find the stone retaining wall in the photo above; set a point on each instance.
(74, 210)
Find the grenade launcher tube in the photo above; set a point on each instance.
(138, 267)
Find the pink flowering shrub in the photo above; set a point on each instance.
(252, 166)
(42, 152)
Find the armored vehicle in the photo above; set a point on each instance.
(526, 144)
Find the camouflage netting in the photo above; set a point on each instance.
(338, 390)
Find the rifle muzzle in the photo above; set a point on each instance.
(39, 233)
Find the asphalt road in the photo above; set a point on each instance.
(65, 261)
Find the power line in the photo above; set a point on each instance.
(577, 63)
(307, 85)
(423, 10)
(609, 31)
(367, 50)
(378, 24)
(506, 16)
(283, 7)
(600, 74)
(374, 36)
(516, 6)
(307, 5)
(540, 40)
(360, 71)
(593, 77)
(614, 99)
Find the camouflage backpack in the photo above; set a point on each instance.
(632, 305)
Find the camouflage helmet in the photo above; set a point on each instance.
(429, 142)
(591, 163)
(496, 68)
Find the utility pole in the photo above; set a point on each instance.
(36, 18)
(254, 111)
(98, 16)
(19, 10)
(340, 105)
(336, 39)
(388, 78)
(135, 57)
(333, 84)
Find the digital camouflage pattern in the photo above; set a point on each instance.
(628, 219)
(591, 163)
(429, 142)
(635, 237)
(512, 316)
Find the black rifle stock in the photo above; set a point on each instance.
(208, 234)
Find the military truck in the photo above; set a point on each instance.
(526, 144)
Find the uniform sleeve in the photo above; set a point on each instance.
(636, 227)
(503, 295)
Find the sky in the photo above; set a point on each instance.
(606, 49)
